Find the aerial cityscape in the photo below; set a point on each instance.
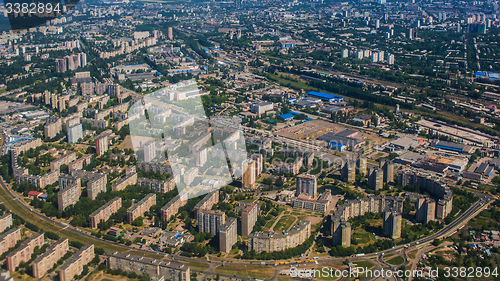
(246, 140)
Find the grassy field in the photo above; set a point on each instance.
(270, 222)
(363, 237)
(413, 254)
(396, 260)
(201, 266)
(284, 223)
(364, 264)
(388, 256)
(249, 271)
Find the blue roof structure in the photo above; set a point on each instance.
(336, 144)
(286, 116)
(294, 113)
(323, 95)
(159, 73)
(480, 73)
(270, 120)
(449, 148)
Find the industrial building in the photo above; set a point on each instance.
(341, 141)
(261, 107)
(446, 145)
(326, 97)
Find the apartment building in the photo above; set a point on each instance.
(9, 239)
(157, 185)
(80, 162)
(154, 268)
(23, 252)
(96, 182)
(270, 242)
(5, 222)
(74, 266)
(248, 218)
(22, 146)
(101, 145)
(105, 212)
(68, 180)
(100, 124)
(248, 177)
(46, 261)
(52, 127)
(372, 204)
(228, 235)
(306, 184)
(172, 207)
(63, 160)
(425, 209)
(68, 196)
(341, 233)
(154, 167)
(207, 202)
(140, 208)
(392, 223)
(128, 179)
(38, 181)
(210, 221)
(321, 204)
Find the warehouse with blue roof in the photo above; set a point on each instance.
(460, 148)
(286, 116)
(326, 97)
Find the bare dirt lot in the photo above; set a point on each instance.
(315, 128)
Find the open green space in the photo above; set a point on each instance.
(388, 256)
(364, 264)
(363, 238)
(201, 266)
(284, 223)
(249, 271)
(396, 260)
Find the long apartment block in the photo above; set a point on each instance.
(63, 160)
(173, 206)
(80, 162)
(105, 212)
(96, 182)
(140, 208)
(154, 268)
(9, 239)
(207, 202)
(74, 266)
(46, 261)
(23, 252)
(68, 196)
(128, 179)
(5, 222)
(157, 185)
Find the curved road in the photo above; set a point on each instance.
(27, 213)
